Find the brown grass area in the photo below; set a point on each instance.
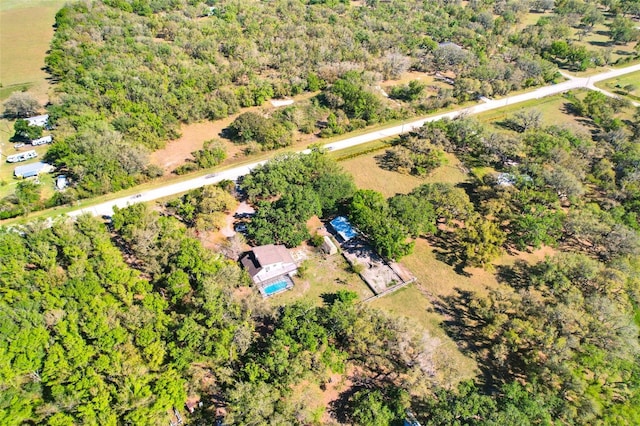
(552, 108)
(193, 137)
(25, 34)
(440, 279)
(416, 303)
(178, 151)
(599, 39)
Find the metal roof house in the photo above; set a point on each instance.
(30, 170)
(344, 228)
(38, 120)
(270, 268)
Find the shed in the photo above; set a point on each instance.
(505, 179)
(328, 247)
(61, 182)
(343, 227)
(30, 170)
(38, 120)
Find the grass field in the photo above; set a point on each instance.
(326, 275)
(26, 29)
(368, 175)
(552, 108)
(25, 33)
(617, 85)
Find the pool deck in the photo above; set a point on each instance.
(263, 286)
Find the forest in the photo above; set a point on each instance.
(125, 321)
(131, 319)
(128, 74)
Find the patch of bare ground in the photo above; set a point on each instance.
(178, 151)
(336, 385)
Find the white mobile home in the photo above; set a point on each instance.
(42, 141)
(38, 120)
(23, 156)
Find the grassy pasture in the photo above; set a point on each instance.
(25, 33)
(26, 29)
(616, 85)
(368, 175)
(552, 108)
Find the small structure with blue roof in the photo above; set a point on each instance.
(344, 228)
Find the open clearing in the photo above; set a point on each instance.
(552, 108)
(325, 275)
(617, 85)
(26, 29)
(368, 175)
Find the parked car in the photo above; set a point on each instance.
(240, 227)
(18, 145)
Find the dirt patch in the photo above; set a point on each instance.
(336, 385)
(177, 151)
(193, 137)
(534, 256)
(243, 209)
(315, 226)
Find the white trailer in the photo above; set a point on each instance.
(23, 156)
(42, 141)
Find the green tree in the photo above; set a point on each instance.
(26, 132)
(370, 212)
(623, 30)
(481, 241)
(27, 195)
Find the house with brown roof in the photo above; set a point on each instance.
(270, 267)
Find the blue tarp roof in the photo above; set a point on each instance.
(343, 228)
(29, 170)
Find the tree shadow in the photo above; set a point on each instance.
(465, 324)
(341, 406)
(386, 161)
(515, 275)
(448, 254)
(600, 43)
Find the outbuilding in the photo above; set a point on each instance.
(343, 228)
(30, 170)
(61, 182)
(38, 120)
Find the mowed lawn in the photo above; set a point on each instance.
(325, 275)
(617, 85)
(368, 175)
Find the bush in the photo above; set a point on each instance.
(317, 240)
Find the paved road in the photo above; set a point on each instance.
(233, 174)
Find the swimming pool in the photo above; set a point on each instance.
(275, 287)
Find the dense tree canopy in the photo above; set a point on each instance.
(140, 69)
(289, 190)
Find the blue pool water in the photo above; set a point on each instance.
(275, 287)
